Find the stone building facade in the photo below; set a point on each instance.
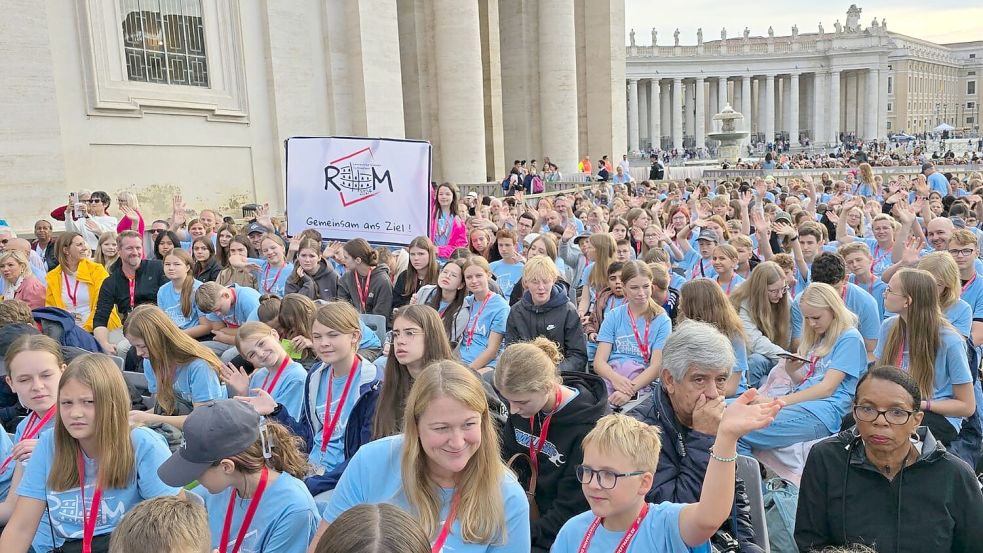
(851, 79)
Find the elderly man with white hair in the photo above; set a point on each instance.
(696, 362)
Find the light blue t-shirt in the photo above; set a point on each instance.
(335, 452)
(849, 356)
(658, 533)
(973, 295)
(729, 287)
(373, 476)
(938, 183)
(195, 382)
(169, 300)
(880, 257)
(289, 390)
(271, 280)
(859, 302)
(6, 448)
(244, 309)
(285, 520)
(960, 314)
(616, 330)
(876, 291)
(951, 365)
(65, 509)
(482, 322)
(740, 364)
(370, 340)
(507, 275)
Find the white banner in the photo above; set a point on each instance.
(372, 188)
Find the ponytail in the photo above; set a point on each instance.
(285, 448)
(529, 367)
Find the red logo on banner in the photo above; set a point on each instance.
(357, 177)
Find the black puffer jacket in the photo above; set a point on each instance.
(934, 504)
(557, 320)
(683, 464)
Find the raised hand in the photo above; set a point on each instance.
(745, 415)
(331, 250)
(234, 377)
(262, 402)
(912, 251)
(707, 414)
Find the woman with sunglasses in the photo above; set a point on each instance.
(89, 218)
(875, 484)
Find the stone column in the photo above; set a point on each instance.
(711, 106)
(643, 112)
(850, 105)
(819, 115)
(882, 104)
(746, 104)
(665, 90)
(461, 106)
(769, 108)
(690, 102)
(793, 118)
(870, 106)
(655, 114)
(759, 116)
(677, 113)
(558, 77)
(786, 112)
(834, 107)
(632, 115)
(700, 122)
(721, 94)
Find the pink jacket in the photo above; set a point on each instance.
(31, 292)
(458, 237)
(126, 224)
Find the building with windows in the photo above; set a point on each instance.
(197, 96)
(851, 80)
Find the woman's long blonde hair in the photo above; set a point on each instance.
(481, 510)
(703, 300)
(169, 349)
(97, 255)
(605, 251)
(774, 320)
(114, 450)
(823, 296)
(921, 329)
(943, 268)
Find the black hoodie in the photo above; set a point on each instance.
(323, 285)
(380, 294)
(557, 320)
(558, 493)
(934, 504)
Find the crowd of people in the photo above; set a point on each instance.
(578, 372)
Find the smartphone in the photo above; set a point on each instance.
(793, 356)
(75, 205)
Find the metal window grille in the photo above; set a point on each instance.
(164, 42)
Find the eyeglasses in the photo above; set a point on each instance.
(93, 201)
(156, 230)
(779, 292)
(409, 333)
(894, 415)
(887, 290)
(606, 479)
(965, 252)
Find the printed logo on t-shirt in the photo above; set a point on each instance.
(549, 449)
(626, 344)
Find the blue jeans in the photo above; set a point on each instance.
(792, 425)
(758, 367)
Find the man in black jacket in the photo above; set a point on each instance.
(132, 281)
(696, 362)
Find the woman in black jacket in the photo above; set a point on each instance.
(314, 277)
(545, 310)
(422, 270)
(206, 266)
(888, 483)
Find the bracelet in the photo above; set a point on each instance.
(928, 405)
(794, 238)
(715, 457)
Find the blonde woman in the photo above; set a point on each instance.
(824, 374)
(91, 453)
(765, 308)
(943, 268)
(107, 249)
(19, 282)
(129, 207)
(74, 284)
(445, 469)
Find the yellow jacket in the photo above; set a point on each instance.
(90, 273)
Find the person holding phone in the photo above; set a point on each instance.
(89, 218)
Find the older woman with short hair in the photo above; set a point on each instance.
(19, 282)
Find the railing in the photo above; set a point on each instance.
(714, 176)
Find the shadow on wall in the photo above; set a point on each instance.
(157, 201)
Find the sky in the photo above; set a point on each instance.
(954, 21)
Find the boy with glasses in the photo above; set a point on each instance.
(963, 248)
(620, 458)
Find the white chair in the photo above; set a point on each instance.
(748, 470)
(377, 323)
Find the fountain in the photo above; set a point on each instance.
(729, 137)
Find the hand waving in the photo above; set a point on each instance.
(744, 415)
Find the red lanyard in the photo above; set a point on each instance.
(812, 367)
(31, 428)
(133, 291)
(729, 284)
(328, 429)
(276, 377)
(446, 529)
(846, 286)
(250, 512)
(89, 518)
(363, 292)
(625, 541)
(699, 265)
(535, 446)
(232, 308)
(72, 295)
(877, 258)
(898, 364)
(968, 283)
(266, 278)
(472, 328)
(643, 346)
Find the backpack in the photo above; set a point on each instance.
(59, 325)
(537, 185)
(781, 498)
